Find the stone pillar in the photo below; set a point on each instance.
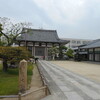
(23, 76)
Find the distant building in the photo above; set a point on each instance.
(76, 42)
(3, 39)
(93, 50)
(38, 41)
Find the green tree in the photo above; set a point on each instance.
(69, 53)
(1, 42)
(11, 30)
(62, 51)
(53, 51)
(0, 29)
(12, 55)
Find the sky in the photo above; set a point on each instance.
(79, 19)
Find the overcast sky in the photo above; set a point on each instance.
(71, 18)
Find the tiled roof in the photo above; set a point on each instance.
(93, 44)
(40, 35)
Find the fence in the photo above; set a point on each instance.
(36, 94)
(29, 95)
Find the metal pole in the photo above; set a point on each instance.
(25, 31)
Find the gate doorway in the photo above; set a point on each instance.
(40, 52)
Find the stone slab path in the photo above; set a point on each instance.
(66, 85)
(88, 69)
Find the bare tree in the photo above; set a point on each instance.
(12, 30)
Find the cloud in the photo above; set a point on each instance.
(65, 11)
(71, 18)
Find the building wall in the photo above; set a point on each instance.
(94, 54)
(76, 42)
(38, 49)
(97, 54)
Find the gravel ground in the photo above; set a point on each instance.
(88, 69)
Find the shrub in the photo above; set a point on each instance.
(69, 53)
(13, 55)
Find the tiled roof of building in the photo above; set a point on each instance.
(40, 35)
(93, 44)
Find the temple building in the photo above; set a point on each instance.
(38, 41)
(91, 51)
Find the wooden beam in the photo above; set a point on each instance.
(93, 54)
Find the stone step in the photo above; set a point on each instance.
(50, 97)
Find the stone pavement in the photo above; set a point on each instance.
(88, 69)
(66, 85)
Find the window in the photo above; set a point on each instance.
(78, 42)
(91, 57)
(90, 51)
(97, 57)
(39, 51)
(85, 42)
(97, 50)
(73, 41)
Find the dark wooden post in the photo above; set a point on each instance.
(87, 54)
(59, 44)
(19, 43)
(93, 54)
(34, 49)
(46, 52)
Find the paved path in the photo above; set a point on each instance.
(66, 85)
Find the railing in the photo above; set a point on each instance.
(43, 78)
(30, 95)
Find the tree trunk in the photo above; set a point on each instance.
(5, 65)
(53, 57)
